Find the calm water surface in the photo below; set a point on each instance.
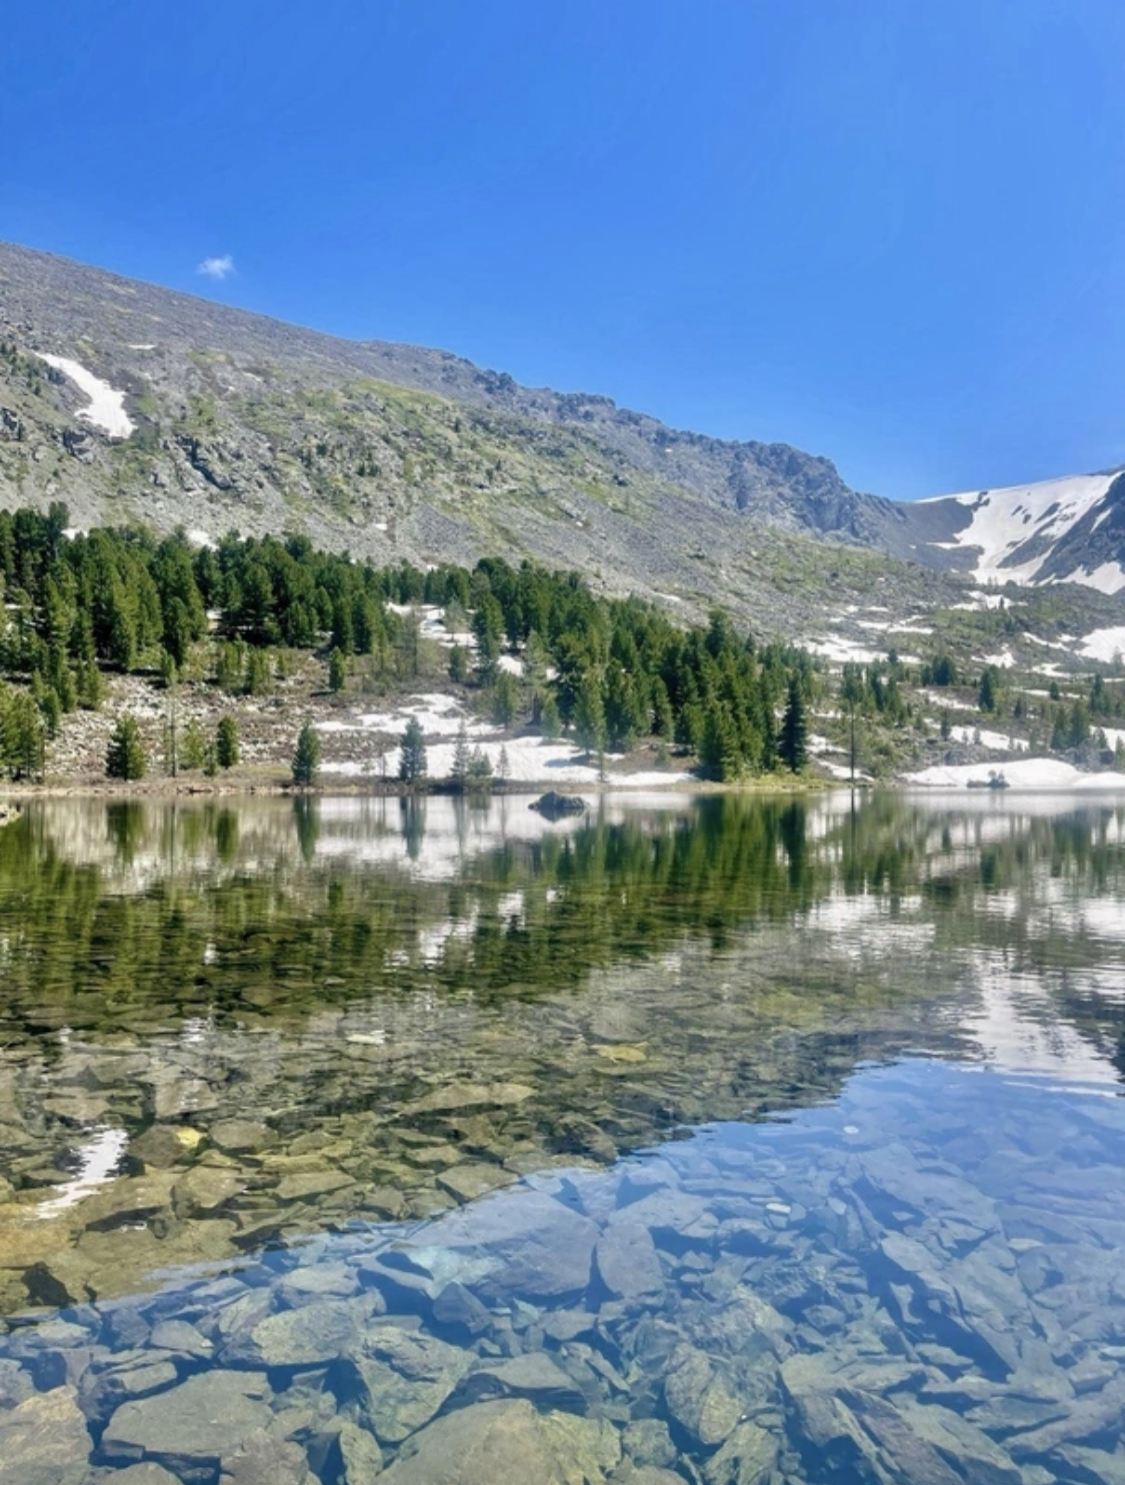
(730, 1141)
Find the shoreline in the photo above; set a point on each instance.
(15, 794)
(166, 788)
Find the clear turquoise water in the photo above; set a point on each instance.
(743, 1140)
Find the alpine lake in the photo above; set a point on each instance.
(737, 1140)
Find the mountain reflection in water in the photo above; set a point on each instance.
(718, 1139)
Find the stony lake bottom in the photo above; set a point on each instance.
(722, 1140)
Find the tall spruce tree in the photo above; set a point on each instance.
(412, 763)
(226, 743)
(793, 740)
(460, 770)
(306, 758)
(125, 756)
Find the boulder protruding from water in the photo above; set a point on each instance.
(553, 806)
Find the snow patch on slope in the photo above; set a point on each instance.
(1004, 520)
(999, 742)
(1104, 644)
(107, 404)
(1107, 578)
(836, 647)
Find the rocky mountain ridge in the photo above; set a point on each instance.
(236, 421)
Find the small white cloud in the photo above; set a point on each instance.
(217, 267)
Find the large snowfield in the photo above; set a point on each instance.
(1003, 520)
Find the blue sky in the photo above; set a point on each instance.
(889, 232)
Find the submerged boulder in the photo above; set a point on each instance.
(507, 1443)
(403, 1378)
(195, 1424)
(522, 1242)
(44, 1439)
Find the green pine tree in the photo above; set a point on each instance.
(125, 756)
(226, 743)
(258, 679)
(505, 699)
(89, 685)
(412, 763)
(192, 746)
(589, 715)
(719, 754)
(306, 758)
(51, 708)
(459, 773)
(550, 723)
(480, 769)
(229, 667)
(793, 740)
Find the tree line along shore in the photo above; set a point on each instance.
(98, 623)
(239, 617)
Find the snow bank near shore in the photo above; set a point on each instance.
(531, 760)
(1043, 774)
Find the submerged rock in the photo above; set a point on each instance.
(530, 1245)
(309, 1335)
(204, 1189)
(908, 1456)
(456, 1097)
(965, 1446)
(473, 1179)
(241, 1136)
(627, 1261)
(746, 1458)
(198, 1423)
(361, 1459)
(507, 1443)
(700, 1397)
(146, 1473)
(179, 1336)
(456, 1306)
(44, 1439)
(534, 1376)
(646, 1474)
(648, 1442)
(264, 1459)
(15, 1385)
(405, 1378)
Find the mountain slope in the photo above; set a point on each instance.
(137, 331)
(130, 401)
(238, 421)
